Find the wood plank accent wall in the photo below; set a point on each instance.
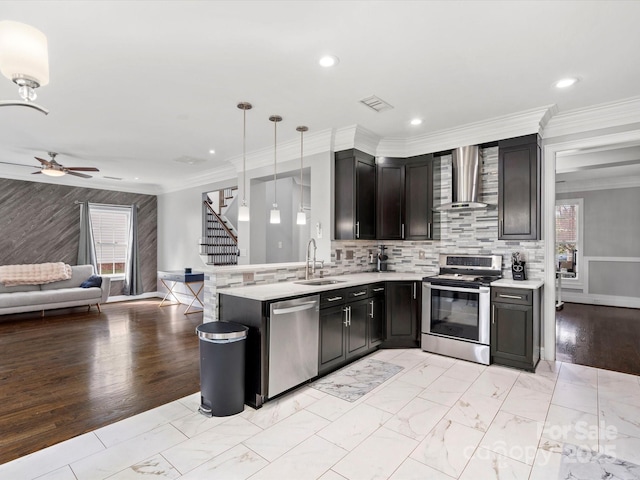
(39, 222)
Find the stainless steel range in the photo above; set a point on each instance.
(456, 307)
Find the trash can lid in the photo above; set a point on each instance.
(221, 331)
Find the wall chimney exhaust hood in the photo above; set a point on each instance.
(466, 180)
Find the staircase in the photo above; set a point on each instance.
(221, 237)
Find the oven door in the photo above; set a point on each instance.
(456, 312)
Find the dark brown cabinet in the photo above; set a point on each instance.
(377, 314)
(404, 198)
(402, 302)
(519, 183)
(515, 327)
(355, 190)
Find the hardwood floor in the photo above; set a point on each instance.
(74, 371)
(599, 336)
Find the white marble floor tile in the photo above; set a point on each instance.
(192, 402)
(448, 447)
(283, 436)
(422, 375)
(474, 410)
(153, 467)
(331, 475)
(195, 451)
(409, 358)
(549, 369)
(394, 396)
(144, 422)
(276, 410)
(578, 464)
(546, 465)
(578, 397)
(536, 382)
(417, 418)
(309, 460)
(566, 425)
(386, 354)
(331, 407)
(413, 470)
(377, 457)
(578, 375)
(355, 426)
(623, 416)
(52, 458)
(493, 383)
(514, 437)
(127, 453)
(619, 388)
(527, 403)
(64, 473)
(438, 360)
(618, 445)
(237, 463)
(195, 423)
(463, 370)
(489, 465)
(445, 390)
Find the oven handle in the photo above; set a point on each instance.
(458, 289)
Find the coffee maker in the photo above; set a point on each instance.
(382, 259)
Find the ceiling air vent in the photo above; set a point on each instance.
(376, 104)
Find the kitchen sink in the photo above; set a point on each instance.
(319, 281)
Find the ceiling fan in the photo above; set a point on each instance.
(55, 169)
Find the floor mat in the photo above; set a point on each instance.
(357, 379)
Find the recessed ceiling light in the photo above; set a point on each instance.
(565, 82)
(328, 61)
(416, 121)
(212, 151)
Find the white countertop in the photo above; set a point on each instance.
(274, 291)
(510, 283)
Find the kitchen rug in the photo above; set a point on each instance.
(357, 379)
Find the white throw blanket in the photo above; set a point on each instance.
(34, 274)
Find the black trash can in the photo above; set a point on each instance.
(222, 360)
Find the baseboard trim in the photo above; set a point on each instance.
(605, 300)
(126, 298)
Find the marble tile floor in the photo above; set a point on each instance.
(438, 418)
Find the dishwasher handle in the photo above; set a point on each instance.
(297, 308)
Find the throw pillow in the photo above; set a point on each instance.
(92, 281)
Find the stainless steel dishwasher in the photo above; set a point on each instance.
(294, 327)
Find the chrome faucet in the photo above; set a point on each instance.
(310, 260)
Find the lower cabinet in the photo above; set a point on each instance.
(515, 327)
(377, 314)
(403, 300)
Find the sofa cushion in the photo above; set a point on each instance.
(19, 288)
(92, 281)
(79, 273)
(91, 295)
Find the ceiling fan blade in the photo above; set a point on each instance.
(76, 174)
(46, 163)
(19, 165)
(83, 169)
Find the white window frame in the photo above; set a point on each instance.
(580, 280)
(111, 209)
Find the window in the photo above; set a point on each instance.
(110, 227)
(568, 237)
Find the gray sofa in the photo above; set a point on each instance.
(63, 294)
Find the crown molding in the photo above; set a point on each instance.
(498, 128)
(355, 136)
(597, 184)
(596, 117)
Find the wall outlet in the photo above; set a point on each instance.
(349, 254)
(319, 230)
(421, 255)
(247, 277)
(338, 253)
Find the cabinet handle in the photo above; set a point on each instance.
(357, 229)
(516, 297)
(349, 308)
(346, 316)
(402, 234)
(501, 228)
(333, 299)
(371, 303)
(381, 289)
(428, 229)
(414, 291)
(357, 294)
(493, 314)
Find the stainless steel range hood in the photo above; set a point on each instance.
(466, 180)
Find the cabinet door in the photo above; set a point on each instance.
(418, 182)
(390, 198)
(512, 334)
(332, 338)
(402, 314)
(365, 199)
(376, 320)
(357, 328)
(519, 189)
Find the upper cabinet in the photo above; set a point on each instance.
(404, 198)
(519, 174)
(355, 190)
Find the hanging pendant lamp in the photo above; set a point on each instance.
(243, 211)
(274, 217)
(301, 219)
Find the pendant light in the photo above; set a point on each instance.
(274, 217)
(243, 211)
(301, 218)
